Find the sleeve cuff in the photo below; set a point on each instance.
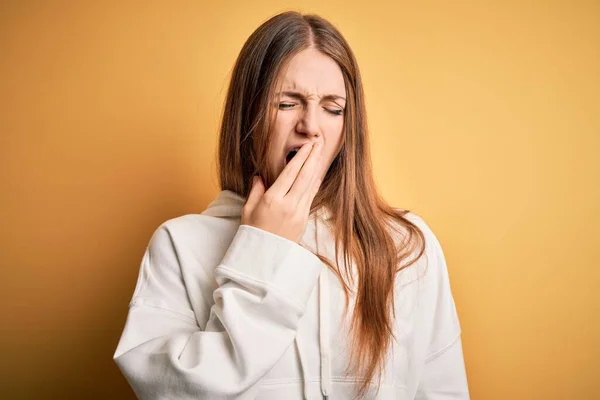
(275, 260)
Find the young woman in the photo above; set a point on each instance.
(298, 281)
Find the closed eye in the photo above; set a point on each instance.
(334, 111)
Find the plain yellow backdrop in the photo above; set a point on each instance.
(484, 119)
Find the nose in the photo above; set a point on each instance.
(308, 123)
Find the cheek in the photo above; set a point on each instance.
(284, 123)
(334, 138)
(281, 129)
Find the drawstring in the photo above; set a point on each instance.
(325, 355)
(302, 367)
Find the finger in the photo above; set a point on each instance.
(286, 178)
(309, 196)
(310, 171)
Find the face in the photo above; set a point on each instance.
(309, 108)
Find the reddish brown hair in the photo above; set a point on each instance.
(376, 237)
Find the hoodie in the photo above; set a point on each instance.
(228, 311)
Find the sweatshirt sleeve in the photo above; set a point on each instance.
(443, 375)
(264, 282)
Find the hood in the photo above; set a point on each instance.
(228, 204)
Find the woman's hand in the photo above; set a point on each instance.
(285, 207)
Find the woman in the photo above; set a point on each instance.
(298, 281)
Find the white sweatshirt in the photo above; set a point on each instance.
(228, 311)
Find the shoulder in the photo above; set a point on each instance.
(431, 242)
(426, 257)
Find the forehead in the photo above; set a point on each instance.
(313, 73)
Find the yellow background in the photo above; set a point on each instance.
(485, 120)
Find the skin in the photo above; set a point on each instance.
(305, 112)
(310, 111)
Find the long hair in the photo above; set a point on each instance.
(369, 232)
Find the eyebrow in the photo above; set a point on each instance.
(300, 96)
